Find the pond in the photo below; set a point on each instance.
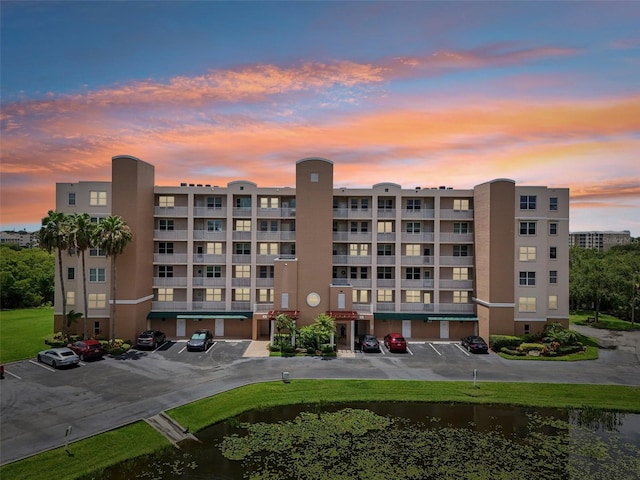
(403, 441)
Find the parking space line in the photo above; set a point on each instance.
(12, 374)
(212, 345)
(462, 349)
(409, 350)
(42, 365)
(435, 349)
(183, 349)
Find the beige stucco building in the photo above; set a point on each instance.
(432, 263)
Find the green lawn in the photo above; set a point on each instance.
(605, 321)
(22, 332)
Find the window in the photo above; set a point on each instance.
(97, 198)
(165, 294)
(97, 300)
(166, 201)
(165, 271)
(243, 203)
(269, 202)
(553, 276)
(413, 227)
(526, 329)
(213, 295)
(460, 250)
(412, 296)
(314, 178)
(364, 204)
(242, 225)
(553, 302)
(166, 225)
(268, 248)
(527, 202)
(385, 249)
(354, 204)
(353, 227)
(358, 249)
(460, 204)
(71, 298)
(385, 204)
(214, 225)
(385, 295)
(71, 273)
(242, 248)
(97, 252)
(385, 273)
(265, 295)
(96, 328)
(460, 227)
(553, 228)
(71, 200)
(460, 273)
(413, 273)
(527, 304)
(360, 296)
(265, 271)
(214, 248)
(414, 204)
(268, 225)
(214, 202)
(553, 204)
(97, 275)
(385, 227)
(527, 228)
(165, 248)
(527, 279)
(214, 271)
(426, 298)
(553, 253)
(363, 272)
(527, 254)
(364, 227)
(460, 296)
(241, 294)
(412, 250)
(242, 271)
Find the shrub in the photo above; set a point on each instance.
(568, 350)
(509, 351)
(311, 351)
(56, 340)
(528, 347)
(498, 342)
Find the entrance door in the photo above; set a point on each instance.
(444, 329)
(219, 330)
(406, 329)
(181, 330)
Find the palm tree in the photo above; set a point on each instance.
(54, 235)
(112, 234)
(80, 237)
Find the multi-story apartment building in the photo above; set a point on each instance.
(432, 263)
(599, 240)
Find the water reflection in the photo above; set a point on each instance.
(422, 439)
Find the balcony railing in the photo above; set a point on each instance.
(456, 261)
(422, 237)
(210, 212)
(209, 258)
(422, 213)
(262, 307)
(346, 212)
(387, 213)
(416, 260)
(169, 281)
(170, 234)
(456, 284)
(171, 211)
(448, 214)
(209, 235)
(170, 258)
(352, 259)
(209, 281)
(169, 306)
(456, 237)
(242, 212)
(208, 306)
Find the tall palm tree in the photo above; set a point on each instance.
(112, 234)
(80, 238)
(54, 235)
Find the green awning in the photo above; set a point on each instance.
(189, 317)
(423, 317)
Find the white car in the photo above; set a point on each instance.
(59, 357)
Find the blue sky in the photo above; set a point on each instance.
(428, 93)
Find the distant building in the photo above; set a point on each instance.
(22, 238)
(432, 263)
(599, 240)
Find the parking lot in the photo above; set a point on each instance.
(39, 403)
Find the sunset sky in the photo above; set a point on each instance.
(416, 93)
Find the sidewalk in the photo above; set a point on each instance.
(256, 349)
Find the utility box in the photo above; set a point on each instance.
(285, 377)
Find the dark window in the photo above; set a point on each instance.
(553, 253)
(214, 202)
(265, 271)
(553, 276)
(243, 248)
(527, 202)
(413, 273)
(71, 273)
(385, 204)
(527, 228)
(165, 271)
(214, 271)
(385, 273)
(385, 249)
(553, 204)
(166, 225)
(414, 204)
(527, 279)
(165, 247)
(553, 228)
(72, 198)
(460, 250)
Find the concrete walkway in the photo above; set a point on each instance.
(171, 429)
(256, 349)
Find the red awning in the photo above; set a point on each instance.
(343, 314)
(293, 314)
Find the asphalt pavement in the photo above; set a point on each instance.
(39, 404)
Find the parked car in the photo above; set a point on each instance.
(395, 341)
(200, 340)
(151, 338)
(369, 343)
(474, 344)
(87, 349)
(59, 357)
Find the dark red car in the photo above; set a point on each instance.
(87, 349)
(395, 341)
(474, 344)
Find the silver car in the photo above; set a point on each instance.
(59, 357)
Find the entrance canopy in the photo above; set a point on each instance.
(292, 314)
(343, 314)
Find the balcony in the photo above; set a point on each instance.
(387, 213)
(209, 258)
(264, 282)
(276, 236)
(169, 281)
(170, 235)
(351, 260)
(238, 259)
(243, 212)
(386, 259)
(417, 283)
(361, 282)
(240, 282)
(262, 307)
(456, 284)
(265, 259)
(416, 260)
(420, 214)
(170, 306)
(386, 283)
(170, 258)
(355, 213)
(210, 212)
(456, 238)
(240, 306)
(241, 235)
(387, 237)
(363, 308)
(209, 281)
(449, 214)
(210, 235)
(423, 237)
(172, 212)
(208, 306)
(456, 261)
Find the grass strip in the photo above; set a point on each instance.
(88, 456)
(22, 332)
(94, 454)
